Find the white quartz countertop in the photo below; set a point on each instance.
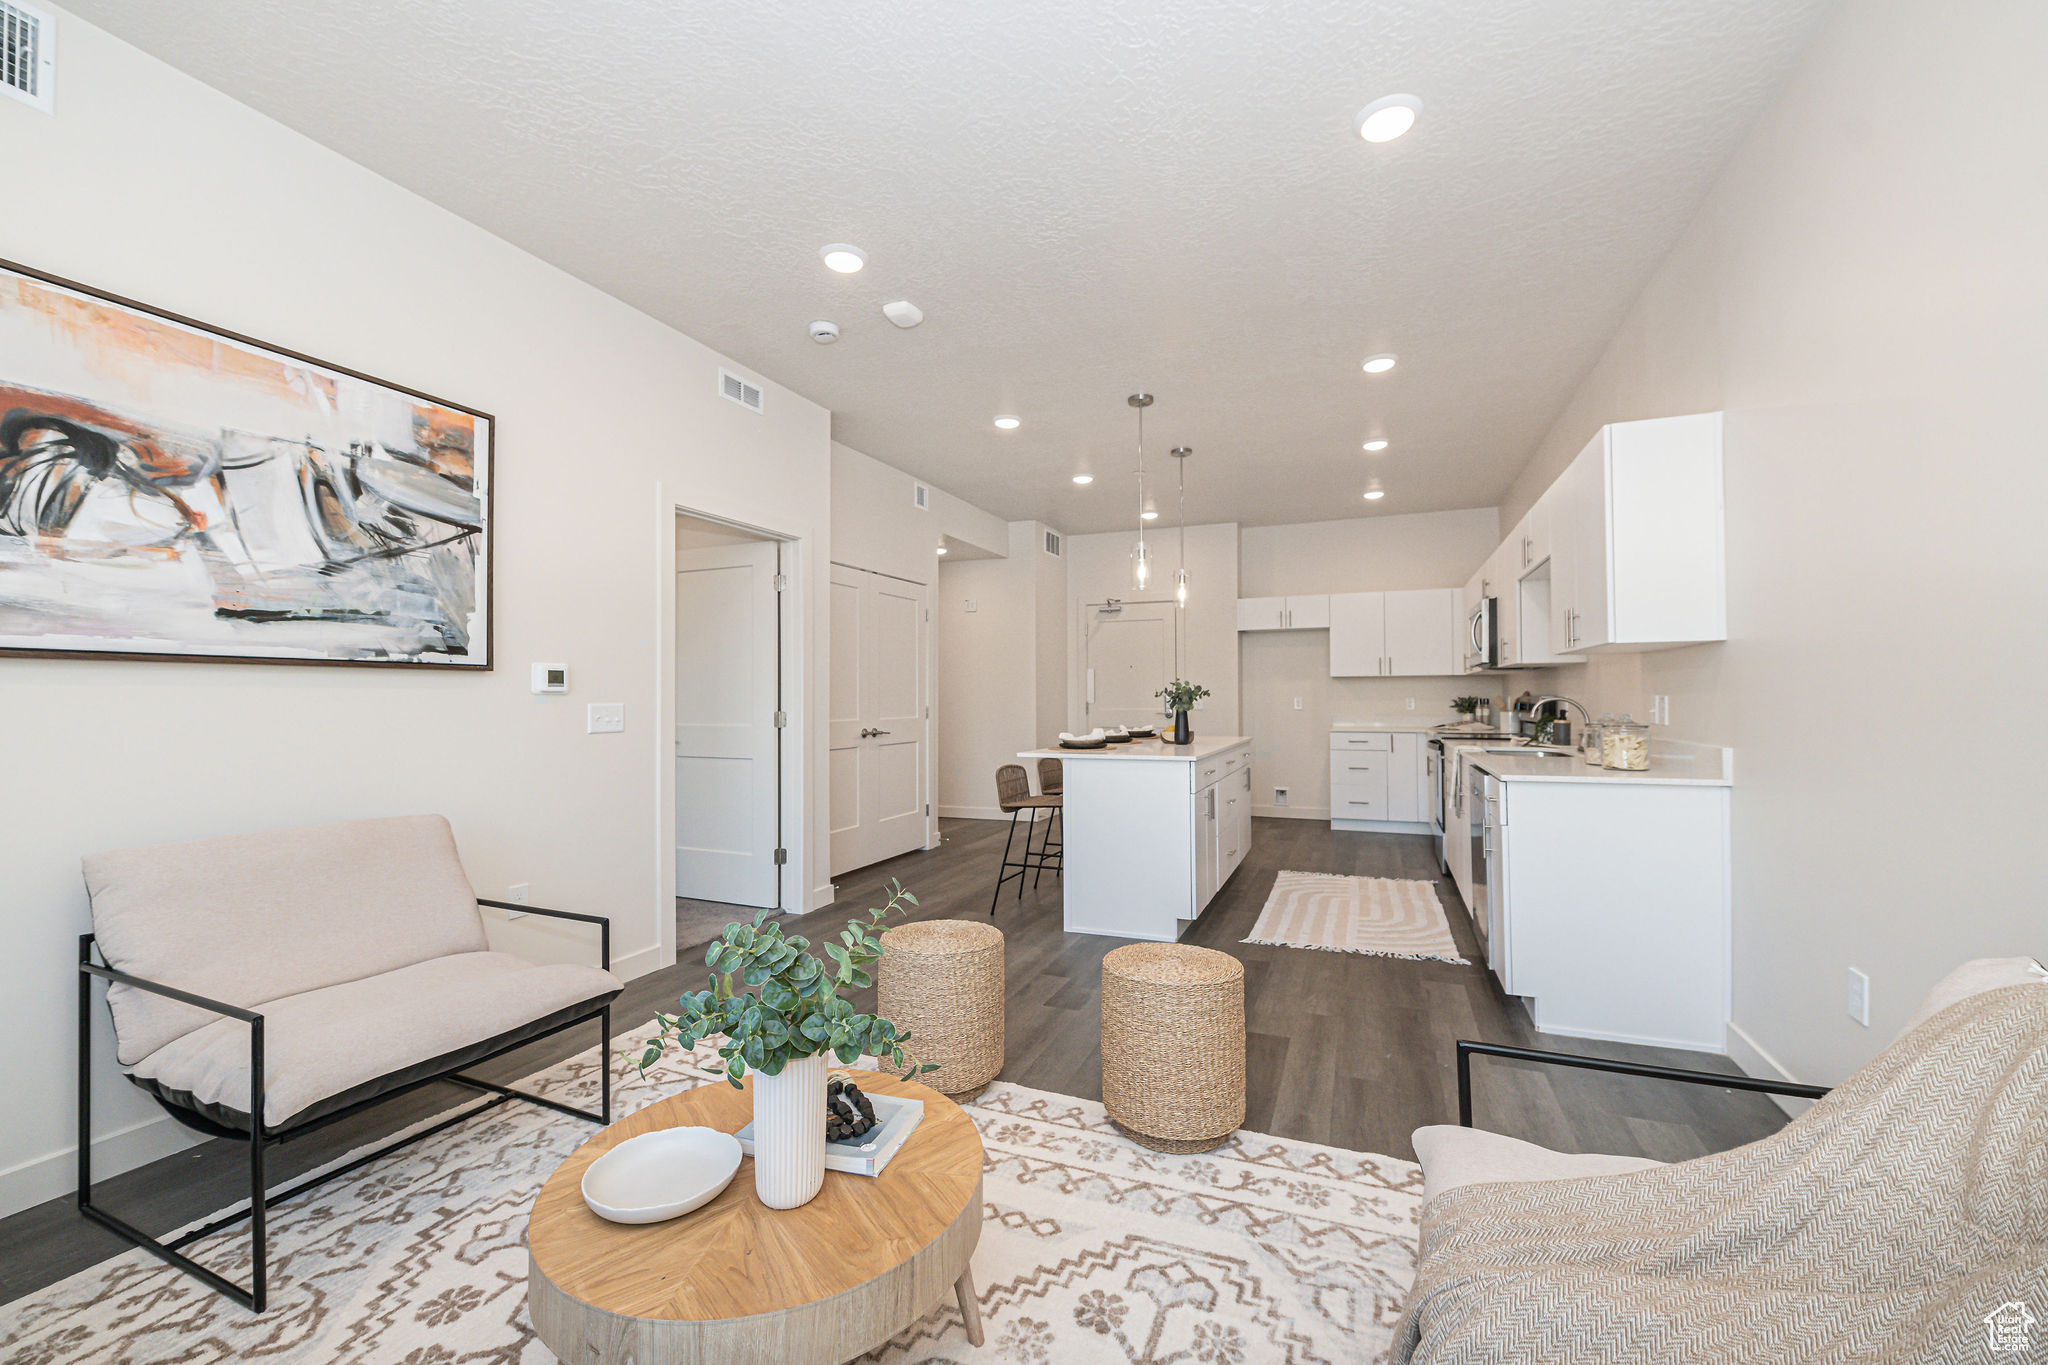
(1147, 750)
(1690, 765)
(1397, 727)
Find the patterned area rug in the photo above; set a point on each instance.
(1093, 1249)
(1377, 915)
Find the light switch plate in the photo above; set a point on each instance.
(1859, 997)
(970, 604)
(605, 718)
(1297, 703)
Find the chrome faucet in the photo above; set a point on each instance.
(1585, 716)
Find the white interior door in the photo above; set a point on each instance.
(877, 717)
(727, 694)
(1128, 649)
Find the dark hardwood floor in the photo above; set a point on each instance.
(1344, 1049)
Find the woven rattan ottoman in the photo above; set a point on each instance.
(1173, 1045)
(942, 982)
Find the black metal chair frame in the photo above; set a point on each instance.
(261, 1138)
(1468, 1049)
(1034, 862)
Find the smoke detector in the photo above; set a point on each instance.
(903, 313)
(28, 55)
(822, 332)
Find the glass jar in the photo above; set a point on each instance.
(1594, 729)
(1625, 746)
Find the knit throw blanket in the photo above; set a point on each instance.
(1900, 1219)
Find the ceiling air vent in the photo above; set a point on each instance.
(1052, 543)
(731, 385)
(28, 54)
(921, 496)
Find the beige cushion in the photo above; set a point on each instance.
(254, 917)
(1452, 1156)
(327, 1041)
(1973, 978)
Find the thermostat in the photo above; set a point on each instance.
(551, 677)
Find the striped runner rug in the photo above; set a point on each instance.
(1378, 915)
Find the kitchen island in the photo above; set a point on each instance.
(1150, 830)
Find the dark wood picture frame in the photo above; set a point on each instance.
(486, 455)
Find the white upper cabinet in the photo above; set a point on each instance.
(1310, 612)
(1637, 557)
(1411, 634)
(1261, 613)
(1358, 634)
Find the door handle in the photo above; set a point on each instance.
(866, 734)
(878, 733)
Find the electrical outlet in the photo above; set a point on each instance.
(517, 894)
(1859, 997)
(970, 604)
(1279, 796)
(1411, 703)
(1297, 703)
(605, 718)
(1660, 710)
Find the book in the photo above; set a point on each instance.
(869, 1153)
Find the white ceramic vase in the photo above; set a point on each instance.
(789, 1132)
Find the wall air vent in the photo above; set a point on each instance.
(921, 496)
(28, 54)
(1052, 543)
(731, 385)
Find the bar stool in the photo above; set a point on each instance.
(1013, 794)
(1052, 782)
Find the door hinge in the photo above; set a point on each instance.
(781, 856)
(781, 582)
(927, 809)
(782, 720)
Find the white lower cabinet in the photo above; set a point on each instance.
(1379, 776)
(1612, 911)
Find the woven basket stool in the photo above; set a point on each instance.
(941, 981)
(1173, 1045)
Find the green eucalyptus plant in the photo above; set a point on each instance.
(1465, 706)
(1181, 695)
(792, 1007)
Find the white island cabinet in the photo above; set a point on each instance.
(1150, 831)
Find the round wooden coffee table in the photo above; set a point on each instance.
(735, 1282)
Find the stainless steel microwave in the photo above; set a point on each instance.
(1482, 636)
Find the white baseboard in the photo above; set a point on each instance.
(1381, 827)
(1744, 1051)
(42, 1178)
(638, 963)
(822, 896)
(1317, 813)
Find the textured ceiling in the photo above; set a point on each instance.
(1085, 198)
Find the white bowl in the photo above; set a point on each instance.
(660, 1175)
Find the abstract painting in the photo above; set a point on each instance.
(169, 490)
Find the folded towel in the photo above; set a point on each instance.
(1096, 733)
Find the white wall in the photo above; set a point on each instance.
(991, 667)
(1099, 568)
(1865, 293)
(877, 524)
(153, 186)
(1366, 554)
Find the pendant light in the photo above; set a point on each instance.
(1141, 557)
(1180, 576)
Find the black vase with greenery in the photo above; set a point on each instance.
(1181, 696)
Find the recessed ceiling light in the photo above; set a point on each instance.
(1379, 364)
(1084, 478)
(843, 258)
(1386, 119)
(1376, 444)
(1149, 516)
(1009, 423)
(1375, 494)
